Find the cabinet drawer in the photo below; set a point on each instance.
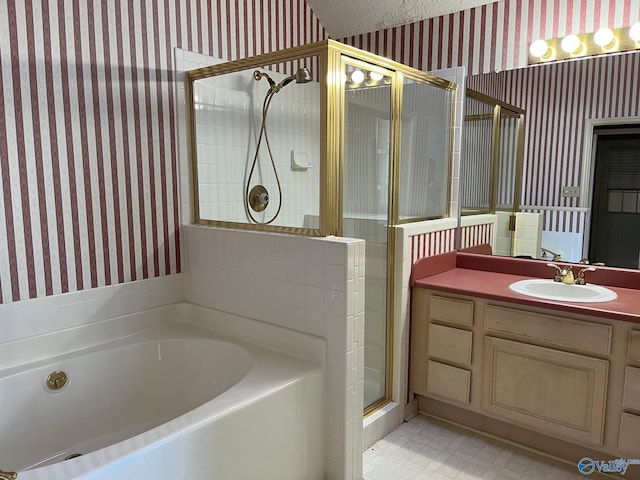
(563, 332)
(633, 349)
(448, 382)
(629, 434)
(631, 398)
(452, 310)
(555, 392)
(451, 344)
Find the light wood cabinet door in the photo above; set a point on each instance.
(552, 391)
(633, 348)
(452, 310)
(629, 434)
(448, 382)
(449, 344)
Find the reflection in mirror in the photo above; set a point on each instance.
(565, 103)
(615, 218)
(477, 156)
(490, 171)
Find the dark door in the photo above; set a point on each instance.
(615, 219)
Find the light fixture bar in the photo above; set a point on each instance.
(603, 41)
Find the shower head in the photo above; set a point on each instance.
(301, 76)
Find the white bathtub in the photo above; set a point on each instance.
(174, 401)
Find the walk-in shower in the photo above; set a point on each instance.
(257, 197)
(365, 145)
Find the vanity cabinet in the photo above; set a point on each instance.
(557, 392)
(443, 343)
(565, 376)
(629, 439)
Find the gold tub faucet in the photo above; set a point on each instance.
(8, 475)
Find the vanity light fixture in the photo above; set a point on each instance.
(634, 33)
(539, 48)
(605, 40)
(357, 77)
(571, 44)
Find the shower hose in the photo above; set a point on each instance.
(263, 134)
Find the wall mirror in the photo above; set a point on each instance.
(568, 104)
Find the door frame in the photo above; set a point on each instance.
(588, 168)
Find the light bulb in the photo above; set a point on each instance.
(570, 43)
(603, 37)
(538, 48)
(376, 76)
(357, 76)
(634, 32)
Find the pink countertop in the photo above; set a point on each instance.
(467, 274)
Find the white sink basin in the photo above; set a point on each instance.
(564, 292)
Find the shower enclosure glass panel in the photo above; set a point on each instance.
(477, 157)
(257, 142)
(509, 129)
(425, 165)
(367, 140)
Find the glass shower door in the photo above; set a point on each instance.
(367, 134)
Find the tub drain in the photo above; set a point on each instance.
(73, 455)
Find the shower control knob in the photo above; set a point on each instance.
(263, 198)
(258, 198)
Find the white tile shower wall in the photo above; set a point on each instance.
(313, 285)
(39, 316)
(229, 118)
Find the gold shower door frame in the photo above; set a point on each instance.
(333, 58)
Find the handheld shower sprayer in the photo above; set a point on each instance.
(302, 75)
(259, 203)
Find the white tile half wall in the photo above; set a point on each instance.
(313, 285)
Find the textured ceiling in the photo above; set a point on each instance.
(344, 18)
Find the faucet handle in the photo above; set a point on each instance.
(558, 277)
(580, 279)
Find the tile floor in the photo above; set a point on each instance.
(427, 449)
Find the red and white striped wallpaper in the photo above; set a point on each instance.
(88, 156)
(473, 235)
(435, 243)
(558, 98)
(432, 243)
(493, 37)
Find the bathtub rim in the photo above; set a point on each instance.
(234, 398)
(304, 346)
